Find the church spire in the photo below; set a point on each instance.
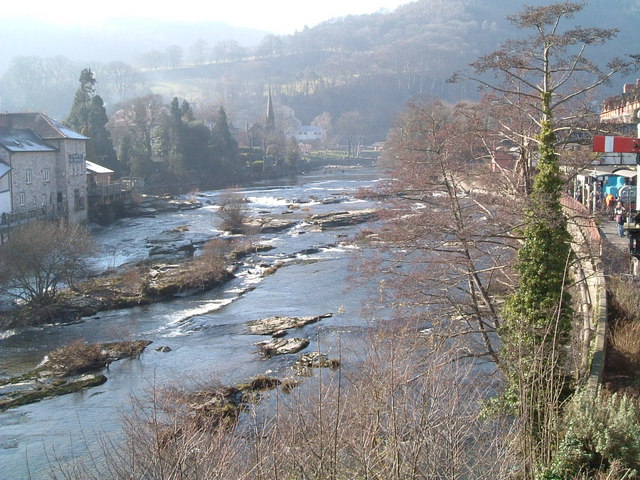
(271, 118)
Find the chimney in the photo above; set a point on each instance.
(628, 88)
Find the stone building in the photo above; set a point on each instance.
(623, 108)
(42, 169)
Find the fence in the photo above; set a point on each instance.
(49, 212)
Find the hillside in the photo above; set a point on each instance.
(370, 64)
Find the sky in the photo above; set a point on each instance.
(277, 16)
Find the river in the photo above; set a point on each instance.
(206, 332)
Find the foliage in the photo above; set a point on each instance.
(543, 75)
(39, 257)
(100, 137)
(225, 148)
(78, 118)
(600, 432)
(292, 157)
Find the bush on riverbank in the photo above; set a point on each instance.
(139, 285)
(407, 410)
(622, 367)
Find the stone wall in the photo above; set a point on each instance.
(587, 246)
(33, 182)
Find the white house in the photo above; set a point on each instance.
(309, 134)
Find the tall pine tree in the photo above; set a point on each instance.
(100, 136)
(78, 118)
(225, 148)
(89, 117)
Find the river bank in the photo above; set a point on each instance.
(206, 331)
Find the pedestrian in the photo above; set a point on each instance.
(620, 213)
(609, 201)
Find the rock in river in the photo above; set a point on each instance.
(271, 325)
(282, 346)
(341, 219)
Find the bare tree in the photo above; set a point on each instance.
(543, 75)
(122, 78)
(199, 51)
(448, 241)
(174, 55)
(234, 211)
(39, 257)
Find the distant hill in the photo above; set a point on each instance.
(370, 64)
(374, 63)
(120, 39)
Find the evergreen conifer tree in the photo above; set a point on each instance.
(79, 115)
(100, 136)
(225, 147)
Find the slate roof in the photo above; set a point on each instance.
(64, 131)
(23, 140)
(45, 126)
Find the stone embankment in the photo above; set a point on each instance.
(589, 271)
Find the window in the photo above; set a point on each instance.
(21, 199)
(45, 173)
(43, 199)
(78, 200)
(28, 178)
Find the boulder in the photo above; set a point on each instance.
(341, 219)
(282, 346)
(310, 360)
(271, 225)
(271, 325)
(173, 248)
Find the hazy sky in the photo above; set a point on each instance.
(279, 16)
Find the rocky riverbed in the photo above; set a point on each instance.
(66, 370)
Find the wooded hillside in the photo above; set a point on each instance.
(370, 64)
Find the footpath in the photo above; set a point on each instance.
(609, 229)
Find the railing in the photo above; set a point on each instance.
(111, 189)
(50, 212)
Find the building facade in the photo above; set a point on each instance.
(42, 169)
(623, 108)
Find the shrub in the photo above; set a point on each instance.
(601, 433)
(233, 212)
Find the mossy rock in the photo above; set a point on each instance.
(56, 388)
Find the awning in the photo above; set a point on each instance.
(605, 170)
(625, 172)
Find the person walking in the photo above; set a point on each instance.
(619, 214)
(609, 201)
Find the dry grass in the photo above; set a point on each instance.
(622, 368)
(78, 357)
(406, 412)
(625, 340)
